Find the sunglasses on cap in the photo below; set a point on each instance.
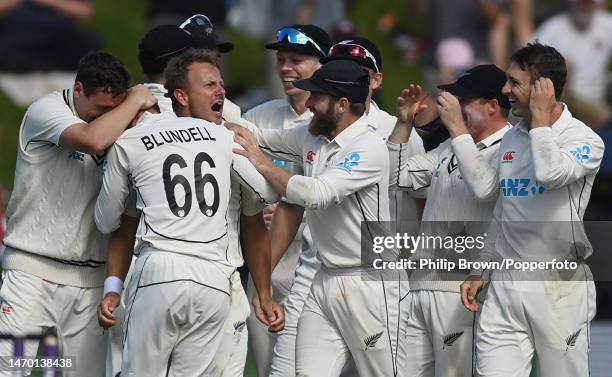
(352, 49)
(297, 37)
(199, 20)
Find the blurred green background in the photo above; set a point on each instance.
(123, 23)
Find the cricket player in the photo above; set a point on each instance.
(201, 30)
(361, 50)
(298, 50)
(439, 330)
(234, 347)
(346, 173)
(365, 53)
(184, 255)
(53, 266)
(158, 46)
(545, 173)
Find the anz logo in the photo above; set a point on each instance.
(520, 187)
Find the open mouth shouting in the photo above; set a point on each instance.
(217, 108)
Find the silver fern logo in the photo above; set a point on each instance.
(238, 326)
(571, 340)
(450, 339)
(370, 341)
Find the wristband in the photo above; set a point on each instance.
(112, 284)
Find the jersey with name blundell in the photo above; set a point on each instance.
(181, 169)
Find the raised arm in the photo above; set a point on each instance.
(559, 165)
(480, 176)
(96, 136)
(114, 193)
(249, 178)
(410, 173)
(276, 144)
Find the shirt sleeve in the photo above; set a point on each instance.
(409, 170)
(360, 167)
(558, 165)
(249, 178)
(130, 204)
(283, 145)
(45, 120)
(251, 204)
(480, 176)
(115, 190)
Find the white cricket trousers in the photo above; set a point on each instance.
(172, 326)
(30, 303)
(439, 335)
(234, 348)
(350, 315)
(283, 360)
(544, 324)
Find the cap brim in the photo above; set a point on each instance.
(300, 49)
(225, 47)
(308, 85)
(458, 90)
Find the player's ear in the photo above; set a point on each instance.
(376, 80)
(343, 105)
(79, 89)
(493, 107)
(181, 96)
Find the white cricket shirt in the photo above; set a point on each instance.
(344, 183)
(544, 178)
(181, 169)
(50, 217)
(450, 200)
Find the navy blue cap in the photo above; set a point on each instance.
(339, 78)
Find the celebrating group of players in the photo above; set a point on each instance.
(168, 186)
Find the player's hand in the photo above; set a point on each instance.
(142, 96)
(251, 150)
(268, 214)
(410, 102)
(270, 313)
(106, 310)
(542, 102)
(451, 115)
(469, 292)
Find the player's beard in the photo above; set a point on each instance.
(325, 123)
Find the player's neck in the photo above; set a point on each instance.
(298, 102)
(485, 132)
(343, 123)
(555, 114)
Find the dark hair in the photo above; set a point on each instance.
(176, 70)
(102, 70)
(357, 108)
(543, 61)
